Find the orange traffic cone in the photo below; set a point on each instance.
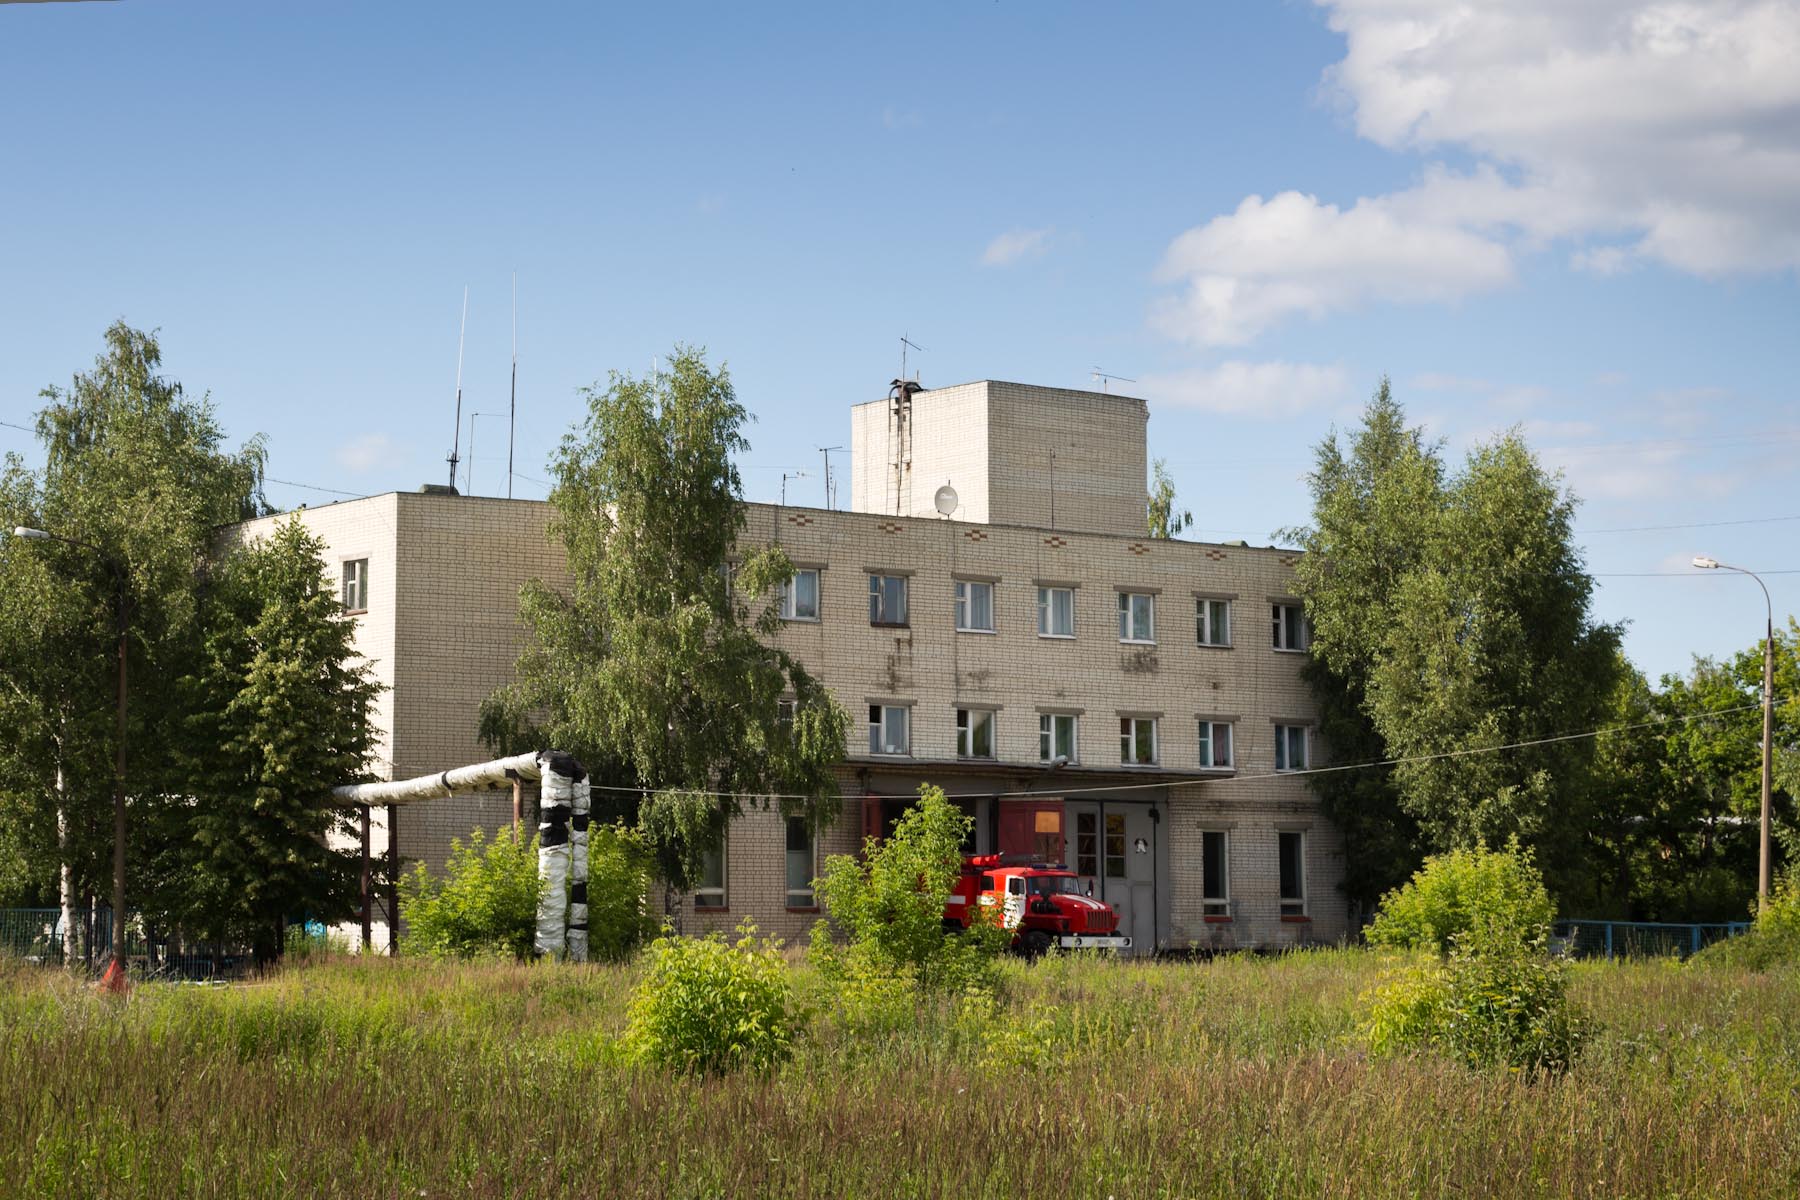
(115, 982)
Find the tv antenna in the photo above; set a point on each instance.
(456, 432)
(785, 476)
(512, 404)
(906, 342)
(1103, 379)
(469, 475)
(830, 491)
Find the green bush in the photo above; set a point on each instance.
(485, 906)
(1501, 889)
(708, 1007)
(1773, 941)
(619, 878)
(1498, 1000)
(890, 906)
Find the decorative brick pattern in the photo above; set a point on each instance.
(800, 519)
(1216, 554)
(1056, 543)
(1138, 548)
(975, 535)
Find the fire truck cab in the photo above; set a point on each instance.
(1043, 903)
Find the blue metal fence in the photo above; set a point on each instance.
(1642, 939)
(37, 935)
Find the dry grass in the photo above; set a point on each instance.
(1241, 1077)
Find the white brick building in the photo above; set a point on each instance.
(1126, 704)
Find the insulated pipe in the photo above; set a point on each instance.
(479, 777)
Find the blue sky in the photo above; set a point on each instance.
(1582, 219)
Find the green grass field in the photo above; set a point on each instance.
(1240, 1077)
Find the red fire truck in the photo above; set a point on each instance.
(1042, 903)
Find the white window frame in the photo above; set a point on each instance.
(1128, 731)
(1206, 631)
(799, 898)
(790, 602)
(1219, 905)
(882, 718)
(1046, 609)
(965, 606)
(1291, 906)
(715, 897)
(1285, 736)
(1129, 634)
(878, 601)
(966, 721)
(1047, 723)
(1280, 633)
(354, 582)
(1207, 729)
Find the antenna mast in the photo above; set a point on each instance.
(456, 436)
(825, 452)
(1103, 379)
(904, 343)
(512, 405)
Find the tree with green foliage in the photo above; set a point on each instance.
(1454, 892)
(1452, 614)
(277, 711)
(133, 483)
(654, 666)
(1162, 517)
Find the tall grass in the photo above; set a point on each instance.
(1241, 1077)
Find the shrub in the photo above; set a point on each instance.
(486, 904)
(1773, 941)
(891, 904)
(705, 1006)
(619, 878)
(1498, 1000)
(1452, 893)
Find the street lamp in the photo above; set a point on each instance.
(115, 972)
(1762, 872)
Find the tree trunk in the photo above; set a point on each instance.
(65, 872)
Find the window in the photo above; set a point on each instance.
(1215, 744)
(974, 733)
(1087, 843)
(1137, 617)
(800, 597)
(887, 599)
(1056, 736)
(1056, 612)
(799, 864)
(1137, 740)
(1290, 747)
(1289, 626)
(356, 585)
(784, 713)
(1212, 622)
(1115, 845)
(1293, 873)
(1215, 880)
(888, 729)
(709, 892)
(974, 606)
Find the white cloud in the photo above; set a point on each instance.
(1249, 389)
(1015, 246)
(365, 453)
(1632, 130)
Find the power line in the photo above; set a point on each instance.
(312, 487)
(1230, 779)
(1695, 525)
(1671, 574)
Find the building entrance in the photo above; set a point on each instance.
(1113, 847)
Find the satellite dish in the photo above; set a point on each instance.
(945, 500)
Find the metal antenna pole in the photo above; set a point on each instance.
(825, 453)
(512, 431)
(456, 431)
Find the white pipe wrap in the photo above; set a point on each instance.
(479, 777)
(553, 901)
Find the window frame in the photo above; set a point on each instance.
(1204, 624)
(1293, 906)
(808, 897)
(879, 617)
(1279, 613)
(1128, 731)
(704, 893)
(1047, 722)
(1208, 743)
(1127, 618)
(359, 568)
(1284, 757)
(1219, 905)
(965, 734)
(1045, 609)
(789, 606)
(879, 714)
(964, 591)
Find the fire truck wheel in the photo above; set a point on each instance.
(1036, 943)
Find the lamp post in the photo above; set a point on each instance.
(1762, 871)
(116, 970)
